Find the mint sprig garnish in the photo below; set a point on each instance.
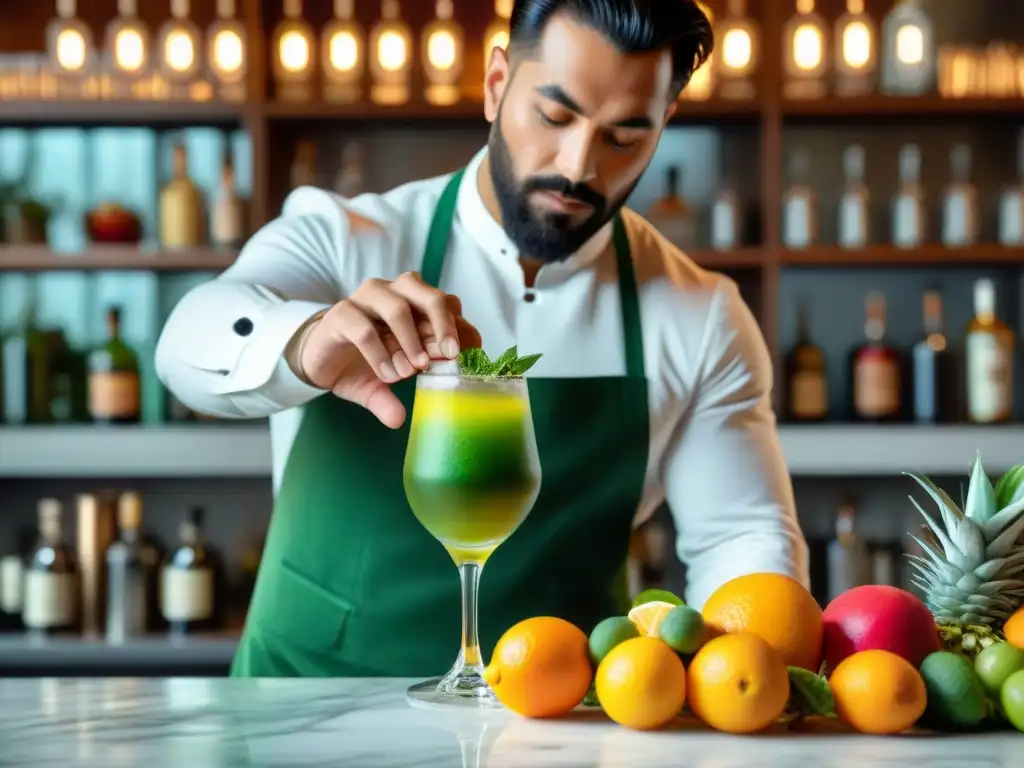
(475, 362)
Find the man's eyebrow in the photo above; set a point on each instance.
(556, 93)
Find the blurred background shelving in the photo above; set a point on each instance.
(755, 177)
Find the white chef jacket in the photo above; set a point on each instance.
(714, 452)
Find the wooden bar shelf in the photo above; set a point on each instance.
(931, 255)
(915, 107)
(141, 112)
(31, 258)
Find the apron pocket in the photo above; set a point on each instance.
(302, 611)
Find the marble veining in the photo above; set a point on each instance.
(221, 723)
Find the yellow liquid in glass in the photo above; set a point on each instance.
(471, 473)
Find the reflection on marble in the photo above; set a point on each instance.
(222, 723)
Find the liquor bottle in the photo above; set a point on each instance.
(130, 569)
(726, 219)
(94, 532)
(799, 209)
(806, 376)
(856, 57)
(989, 350)
(876, 380)
(854, 215)
(187, 581)
(908, 211)
(181, 206)
(227, 215)
(960, 219)
(12, 578)
(114, 377)
(28, 371)
(933, 374)
(848, 558)
(908, 50)
(351, 179)
(670, 214)
(1011, 205)
(303, 171)
(51, 577)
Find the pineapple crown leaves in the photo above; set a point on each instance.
(475, 362)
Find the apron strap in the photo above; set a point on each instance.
(440, 231)
(632, 329)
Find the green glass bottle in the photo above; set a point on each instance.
(114, 396)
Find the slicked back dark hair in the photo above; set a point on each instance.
(632, 26)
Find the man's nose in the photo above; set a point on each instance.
(575, 157)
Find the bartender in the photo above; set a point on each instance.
(654, 384)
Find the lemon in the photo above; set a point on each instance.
(641, 683)
(648, 617)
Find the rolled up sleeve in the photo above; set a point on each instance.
(221, 351)
(725, 476)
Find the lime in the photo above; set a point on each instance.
(656, 596)
(956, 697)
(683, 630)
(996, 663)
(1012, 699)
(609, 633)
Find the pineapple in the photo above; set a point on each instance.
(973, 574)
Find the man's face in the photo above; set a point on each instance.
(571, 134)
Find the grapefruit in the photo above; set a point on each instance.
(877, 617)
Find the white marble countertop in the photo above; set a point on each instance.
(221, 723)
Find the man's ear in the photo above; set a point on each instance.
(495, 82)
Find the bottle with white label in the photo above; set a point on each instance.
(187, 581)
(1011, 205)
(228, 210)
(848, 557)
(799, 210)
(989, 350)
(130, 571)
(854, 222)
(50, 578)
(960, 217)
(908, 211)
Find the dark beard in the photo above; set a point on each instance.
(547, 237)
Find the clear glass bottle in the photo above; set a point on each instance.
(1011, 205)
(129, 575)
(799, 205)
(908, 209)
(989, 351)
(51, 577)
(960, 219)
(228, 212)
(114, 382)
(806, 40)
(856, 52)
(854, 209)
(181, 206)
(849, 563)
(908, 50)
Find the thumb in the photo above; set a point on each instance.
(382, 403)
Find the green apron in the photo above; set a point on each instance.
(352, 585)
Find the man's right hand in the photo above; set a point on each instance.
(383, 333)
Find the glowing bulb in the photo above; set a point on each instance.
(737, 49)
(71, 50)
(909, 44)
(129, 50)
(807, 47)
(179, 51)
(391, 53)
(294, 52)
(498, 40)
(344, 51)
(857, 45)
(228, 51)
(441, 50)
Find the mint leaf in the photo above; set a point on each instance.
(809, 694)
(659, 595)
(474, 362)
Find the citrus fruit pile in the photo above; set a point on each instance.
(760, 650)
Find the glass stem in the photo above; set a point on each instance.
(469, 573)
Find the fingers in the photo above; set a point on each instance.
(352, 325)
(380, 301)
(435, 305)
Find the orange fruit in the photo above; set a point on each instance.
(641, 683)
(1013, 629)
(737, 683)
(774, 607)
(541, 667)
(878, 692)
(648, 617)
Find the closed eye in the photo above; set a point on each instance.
(548, 120)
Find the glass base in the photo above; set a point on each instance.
(463, 686)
